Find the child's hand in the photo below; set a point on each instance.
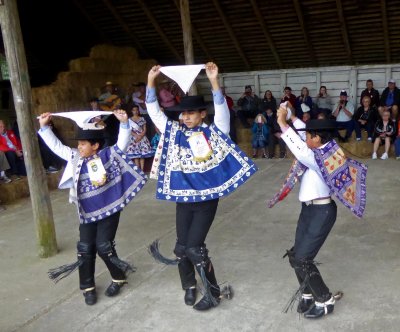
(44, 119)
(153, 73)
(211, 70)
(121, 116)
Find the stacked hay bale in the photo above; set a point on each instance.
(72, 89)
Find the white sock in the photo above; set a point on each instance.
(323, 304)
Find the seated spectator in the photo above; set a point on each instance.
(229, 101)
(288, 96)
(4, 165)
(268, 102)
(139, 98)
(249, 103)
(371, 93)
(259, 138)
(305, 110)
(343, 114)
(303, 99)
(11, 146)
(390, 99)
(165, 95)
(274, 136)
(321, 116)
(383, 134)
(365, 118)
(322, 103)
(397, 141)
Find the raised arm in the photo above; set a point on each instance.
(153, 108)
(124, 130)
(222, 115)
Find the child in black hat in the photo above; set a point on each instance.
(198, 164)
(324, 170)
(101, 182)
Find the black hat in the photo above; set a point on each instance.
(248, 87)
(343, 93)
(319, 125)
(189, 103)
(89, 134)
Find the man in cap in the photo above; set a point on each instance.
(315, 152)
(101, 182)
(390, 99)
(249, 103)
(343, 114)
(198, 164)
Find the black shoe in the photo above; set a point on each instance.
(319, 311)
(114, 288)
(90, 297)
(205, 303)
(304, 305)
(190, 296)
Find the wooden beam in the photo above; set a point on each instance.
(160, 31)
(127, 29)
(196, 35)
(21, 88)
(343, 28)
(267, 34)
(385, 31)
(84, 12)
(231, 34)
(300, 17)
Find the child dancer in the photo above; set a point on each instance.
(101, 182)
(198, 165)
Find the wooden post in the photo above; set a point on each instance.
(187, 39)
(19, 77)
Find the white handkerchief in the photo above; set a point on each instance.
(183, 75)
(82, 118)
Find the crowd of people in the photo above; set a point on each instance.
(376, 113)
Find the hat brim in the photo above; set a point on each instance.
(318, 129)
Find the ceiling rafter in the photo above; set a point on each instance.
(125, 26)
(196, 35)
(385, 30)
(300, 17)
(266, 32)
(231, 34)
(160, 31)
(343, 28)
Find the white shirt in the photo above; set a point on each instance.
(312, 184)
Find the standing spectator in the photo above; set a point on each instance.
(323, 102)
(304, 98)
(12, 148)
(343, 114)
(249, 106)
(365, 117)
(229, 102)
(260, 135)
(4, 165)
(274, 136)
(268, 102)
(166, 97)
(390, 99)
(371, 93)
(384, 132)
(288, 96)
(139, 147)
(139, 98)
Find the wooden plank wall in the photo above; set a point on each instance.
(350, 78)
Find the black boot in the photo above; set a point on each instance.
(305, 303)
(87, 254)
(90, 296)
(190, 296)
(114, 288)
(320, 309)
(199, 257)
(117, 267)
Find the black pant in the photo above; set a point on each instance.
(17, 165)
(315, 223)
(94, 235)
(193, 221)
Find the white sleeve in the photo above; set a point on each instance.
(300, 149)
(222, 117)
(55, 144)
(158, 117)
(124, 137)
(298, 124)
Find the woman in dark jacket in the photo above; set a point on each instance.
(365, 117)
(269, 102)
